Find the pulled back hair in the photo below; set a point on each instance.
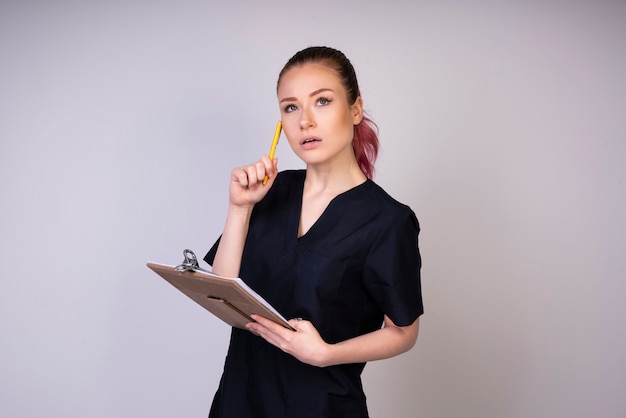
(365, 142)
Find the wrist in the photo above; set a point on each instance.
(327, 356)
(240, 210)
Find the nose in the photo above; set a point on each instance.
(306, 119)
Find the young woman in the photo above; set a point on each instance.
(325, 245)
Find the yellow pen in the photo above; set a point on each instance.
(279, 128)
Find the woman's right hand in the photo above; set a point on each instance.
(246, 183)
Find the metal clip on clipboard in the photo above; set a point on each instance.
(190, 263)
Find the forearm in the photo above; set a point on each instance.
(227, 260)
(386, 342)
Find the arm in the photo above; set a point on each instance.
(386, 342)
(246, 189)
(227, 260)
(307, 345)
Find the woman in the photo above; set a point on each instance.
(325, 244)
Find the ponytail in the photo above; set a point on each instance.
(365, 145)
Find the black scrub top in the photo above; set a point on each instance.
(358, 262)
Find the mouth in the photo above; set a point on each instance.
(309, 140)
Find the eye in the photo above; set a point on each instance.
(323, 101)
(290, 108)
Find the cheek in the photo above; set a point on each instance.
(292, 138)
(289, 132)
(344, 126)
(339, 120)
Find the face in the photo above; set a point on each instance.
(317, 119)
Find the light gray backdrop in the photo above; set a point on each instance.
(502, 125)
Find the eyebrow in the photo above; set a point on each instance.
(292, 99)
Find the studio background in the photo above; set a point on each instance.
(502, 125)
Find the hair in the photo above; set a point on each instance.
(365, 142)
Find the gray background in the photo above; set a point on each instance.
(502, 125)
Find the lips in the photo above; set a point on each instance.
(310, 140)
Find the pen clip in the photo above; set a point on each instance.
(190, 263)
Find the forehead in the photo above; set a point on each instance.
(307, 78)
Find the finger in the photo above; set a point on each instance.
(261, 169)
(267, 164)
(269, 167)
(296, 323)
(250, 328)
(267, 334)
(272, 326)
(273, 171)
(240, 176)
(251, 175)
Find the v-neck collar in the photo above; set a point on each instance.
(296, 208)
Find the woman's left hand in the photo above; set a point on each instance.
(305, 343)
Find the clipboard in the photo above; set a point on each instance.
(229, 299)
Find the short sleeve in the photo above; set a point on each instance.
(210, 256)
(392, 269)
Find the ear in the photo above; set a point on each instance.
(357, 111)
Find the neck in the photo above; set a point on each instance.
(333, 180)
